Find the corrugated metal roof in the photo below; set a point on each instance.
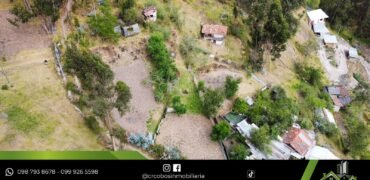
(317, 14)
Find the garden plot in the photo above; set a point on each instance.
(191, 135)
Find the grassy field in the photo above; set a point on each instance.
(36, 112)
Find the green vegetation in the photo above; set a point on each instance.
(104, 22)
(261, 138)
(274, 109)
(22, 120)
(352, 16)
(92, 123)
(231, 86)
(270, 22)
(220, 131)
(211, 101)
(5, 87)
(238, 152)
(179, 107)
(123, 97)
(164, 70)
(119, 133)
(189, 50)
(326, 127)
(29, 123)
(157, 150)
(313, 3)
(240, 106)
(47, 9)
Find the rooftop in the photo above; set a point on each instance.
(352, 52)
(149, 11)
(131, 30)
(300, 140)
(330, 39)
(320, 28)
(214, 29)
(317, 14)
(234, 118)
(245, 128)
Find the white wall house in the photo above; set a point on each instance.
(316, 16)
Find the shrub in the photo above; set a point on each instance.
(93, 124)
(220, 131)
(240, 106)
(103, 24)
(5, 87)
(261, 138)
(326, 127)
(179, 107)
(157, 150)
(231, 86)
(238, 152)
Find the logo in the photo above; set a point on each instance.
(342, 173)
(9, 172)
(251, 174)
(166, 168)
(176, 168)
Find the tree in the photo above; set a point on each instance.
(261, 138)
(240, 106)
(123, 96)
(231, 86)
(277, 28)
(238, 152)
(21, 12)
(178, 106)
(212, 100)
(313, 3)
(220, 131)
(103, 23)
(277, 93)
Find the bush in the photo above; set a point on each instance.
(238, 152)
(157, 150)
(103, 24)
(240, 106)
(178, 106)
(5, 87)
(261, 138)
(231, 86)
(119, 133)
(93, 124)
(21, 13)
(220, 131)
(201, 86)
(141, 141)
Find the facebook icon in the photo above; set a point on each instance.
(176, 168)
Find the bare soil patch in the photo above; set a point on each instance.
(191, 135)
(15, 39)
(129, 65)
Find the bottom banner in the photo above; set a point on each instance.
(185, 169)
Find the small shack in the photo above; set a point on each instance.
(233, 118)
(339, 95)
(316, 16)
(300, 140)
(245, 128)
(330, 41)
(150, 13)
(131, 30)
(352, 53)
(214, 33)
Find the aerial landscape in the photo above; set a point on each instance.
(187, 79)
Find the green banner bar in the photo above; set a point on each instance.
(71, 155)
(309, 169)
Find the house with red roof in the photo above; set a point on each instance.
(300, 140)
(215, 33)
